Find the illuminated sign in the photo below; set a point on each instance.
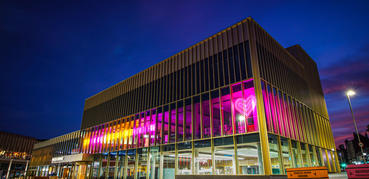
(245, 106)
(57, 159)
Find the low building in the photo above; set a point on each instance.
(15, 153)
(59, 156)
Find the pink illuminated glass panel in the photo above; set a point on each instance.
(166, 125)
(205, 116)
(172, 128)
(153, 127)
(188, 119)
(215, 108)
(196, 117)
(249, 106)
(159, 131)
(241, 109)
(226, 108)
(147, 128)
(180, 124)
(273, 110)
(267, 108)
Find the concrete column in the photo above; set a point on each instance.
(25, 170)
(10, 166)
(37, 171)
(161, 164)
(107, 168)
(58, 170)
(117, 161)
(148, 163)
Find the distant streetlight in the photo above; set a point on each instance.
(350, 93)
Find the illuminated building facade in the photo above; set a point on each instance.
(236, 103)
(58, 156)
(15, 154)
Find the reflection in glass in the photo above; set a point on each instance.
(153, 128)
(224, 157)
(184, 158)
(147, 128)
(314, 162)
(166, 124)
(249, 158)
(251, 113)
(180, 122)
(226, 111)
(318, 156)
(295, 154)
(249, 154)
(240, 109)
(304, 155)
(121, 164)
(154, 172)
(274, 154)
(142, 162)
(286, 157)
(131, 156)
(188, 114)
(196, 117)
(205, 115)
(173, 122)
(159, 127)
(215, 108)
(168, 162)
(203, 161)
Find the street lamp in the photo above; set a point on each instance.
(348, 94)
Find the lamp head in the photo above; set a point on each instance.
(350, 93)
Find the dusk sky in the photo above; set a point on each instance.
(55, 54)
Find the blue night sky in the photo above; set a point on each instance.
(55, 54)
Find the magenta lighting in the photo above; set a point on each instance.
(245, 106)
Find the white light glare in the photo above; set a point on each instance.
(350, 93)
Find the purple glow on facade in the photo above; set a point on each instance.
(233, 108)
(245, 106)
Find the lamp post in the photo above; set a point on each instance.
(348, 94)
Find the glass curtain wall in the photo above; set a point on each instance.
(131, 164)
(224, 156)
(188, 119)
(313, 159)
(203, 158)
(286, 155)
(111, 164)
(226, 111)
(305, 155)
(249, 155)
(296, 154)
(184, 158)
(154, 171)
(206, 132)
(231, 112)
(141, 160)
(215, 108)
(121, 164)
(274, 154)
(169, 161)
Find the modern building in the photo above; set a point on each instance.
(236, 103)
(59, 156)
(15, 153)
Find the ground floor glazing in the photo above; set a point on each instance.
(233, 155)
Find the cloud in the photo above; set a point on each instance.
(351, 72)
